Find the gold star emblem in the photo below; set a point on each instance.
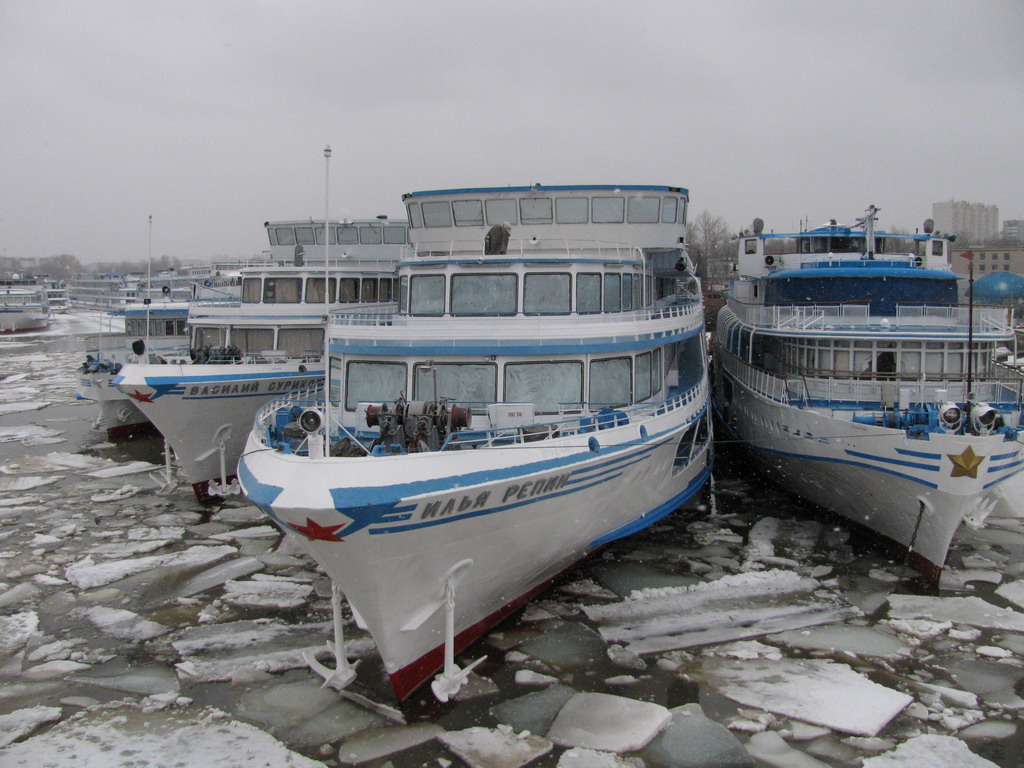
(966, 464)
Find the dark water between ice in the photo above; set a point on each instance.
(706, 540)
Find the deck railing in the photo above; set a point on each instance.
(594, 419)
(856, 316)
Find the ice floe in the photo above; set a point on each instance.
(962, 610)
(86, 573)
(162, 739)
(495, 747)
(929, 751)
(816, 691)
(730, 608)
(607, 723)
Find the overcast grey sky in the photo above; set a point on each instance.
(212, 115)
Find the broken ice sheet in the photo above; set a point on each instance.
(268, 592)
(609, 723)
(146, 680)
(816, 691)
(1013, 592)
(222, 652)
(961, 610)
(159, 739)
(124, 624)
(306, 712)
(24, 482)
(495, 747)
(929, 751)
(862, 641)
(22, 722)
(733, 607)
(85, 574)
(382, 742)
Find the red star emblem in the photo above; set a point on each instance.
(316, 532)
(142, 398)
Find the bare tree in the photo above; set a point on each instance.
(711, 246)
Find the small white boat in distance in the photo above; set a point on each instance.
(23, 305)
(846, 362)
(540, 391)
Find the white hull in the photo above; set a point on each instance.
(23, 320)
(908, 490)
(199, 408)
(119, 415)
(507, 520)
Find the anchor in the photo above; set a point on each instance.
(452, 677)
(343, 673)
(165, 480)
(223, 488)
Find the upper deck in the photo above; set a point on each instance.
(649, 217)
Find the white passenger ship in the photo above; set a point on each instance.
(244, 353)
(542, 390)
(155, 333)
(846, 362)
(23, 305)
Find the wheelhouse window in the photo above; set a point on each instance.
(332, 232)
(612, 293)
(282, 290)
(285, 236)
(301, 341)
(349, 290)
(304, 236)
(642, 376)
(546, 294)
(500, 211)
(588, 293)
(315, 290)
(369, 289)
(571, 210)
(610, 382)
(370, 235)
(627, 291)
(252, 290)
(484, 294)
(535, 210)
(426, 295)
(373, 383)
(668, 210)
(469, 384)
(403, 293)
(642, 210)
(552, 387)
(468, 213)
(395, 235)
(607, 210)
(437, 214)
(204, 336)
(348, 235)
(386, 289)
(252, 340)
(415, 216)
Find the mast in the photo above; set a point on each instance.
(970, 332)
(327, 296)
(149, 285)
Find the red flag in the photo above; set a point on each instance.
(969, 255)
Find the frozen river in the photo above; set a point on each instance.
(138, 628)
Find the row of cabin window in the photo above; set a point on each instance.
(552, 386)
(543, 294)
(136, 326)
(844, 245)
(346, 234)
(863, 356)
(251, 341)
(548, 210)
(289, 290)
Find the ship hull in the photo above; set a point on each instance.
(506, 522)
(913, 492)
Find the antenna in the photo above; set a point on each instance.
(327, 299)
